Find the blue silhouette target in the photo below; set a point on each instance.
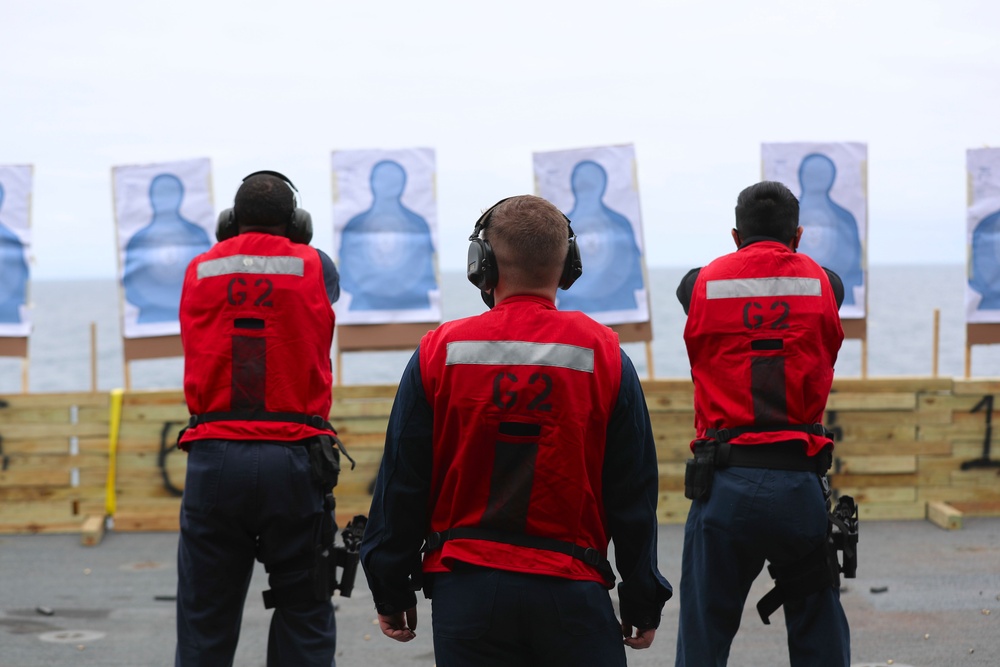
(830, 232)
(157, 256)
(986, 262)
(13, 273)
(386, 252)
(612, 271)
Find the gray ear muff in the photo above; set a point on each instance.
(482, 266)
(226, 227)
(573, 266)
(300, 229)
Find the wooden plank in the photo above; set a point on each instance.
(671, 402)
(944, 515)
(138, 522)
(935, 470)
(871, 401)
(350, 410)
(672, 450)
(92, 531)
(880, 494)
(41, 493)
(46, 431)
(362, 426)
(672, 507)
(892, 384)
(892, 511)
(980, 508)
(156, 414)
(888, 464)
(951, 402)
(34, 478)
(35, 446)
(894, 418)
(985, 477)
(56, 461)
(152, 397)
(19, 401)
(889, 431)
(59, 415)
(671, 476)
(976, 387)
(893, 447)
(953, 494)
(47, 511)
(71, 525)
(839, 481)
(352, 392)
(666, 385)
(947, 432)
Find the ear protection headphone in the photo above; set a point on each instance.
(298, 229)
(481, 268)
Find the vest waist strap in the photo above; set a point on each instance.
(588, 555)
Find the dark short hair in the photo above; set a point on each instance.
(767, 208)
(264, 201)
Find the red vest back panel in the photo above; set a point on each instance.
(521, 397)
(257, 326)
(762, 334)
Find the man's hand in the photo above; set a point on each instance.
(401, 626)
(641, 639)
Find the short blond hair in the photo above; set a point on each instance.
(530, 238)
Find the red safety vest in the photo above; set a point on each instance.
(762, 336)
(257, 326)
(521, 397)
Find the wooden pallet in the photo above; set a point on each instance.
(903, 444)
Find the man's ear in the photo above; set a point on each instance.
(736, 239)
(796, 239)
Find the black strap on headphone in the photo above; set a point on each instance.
(299, 228)
(276, 174)
(481, 268)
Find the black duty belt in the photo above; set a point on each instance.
(316, 421)
(779, 456)
(588, 555)
(727, 434)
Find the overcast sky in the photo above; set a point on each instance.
(695, 86)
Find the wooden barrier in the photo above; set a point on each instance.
(902, 443)
(54, 461)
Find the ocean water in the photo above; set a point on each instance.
(902, 300)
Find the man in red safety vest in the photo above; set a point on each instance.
(257, 326)
(518, 446)
(762, 335)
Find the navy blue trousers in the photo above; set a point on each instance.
(753, 515)
(493, 618)
(245, 501)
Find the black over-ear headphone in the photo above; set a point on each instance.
(299, 228)
(481, 268)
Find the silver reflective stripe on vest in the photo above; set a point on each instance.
(510, 353)
(279, 265)
(743, 287)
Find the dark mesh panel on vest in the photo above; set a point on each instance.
(249, 372)
(510, 486)
(767, 387)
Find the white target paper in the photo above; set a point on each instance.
(165, 219)
(982, 293)
(596, 188)
(385, 236)
(830, 181)
(15, 243)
